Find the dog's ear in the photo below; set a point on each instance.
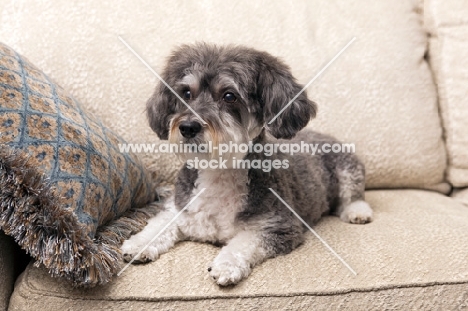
(159, 109)
(276, 88)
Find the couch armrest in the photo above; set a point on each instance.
(12, 262)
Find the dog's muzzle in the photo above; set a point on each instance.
(189, 129)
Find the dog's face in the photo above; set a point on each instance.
(235, 91)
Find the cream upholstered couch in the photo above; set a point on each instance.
(399, 92)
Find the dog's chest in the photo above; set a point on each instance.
(212, 216)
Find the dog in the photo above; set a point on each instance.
(232, 93)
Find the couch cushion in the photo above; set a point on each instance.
(447, 21)
(461, 195)
(414, 250)
(379, 94)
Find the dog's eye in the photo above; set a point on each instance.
(187, 95)
(229, 98)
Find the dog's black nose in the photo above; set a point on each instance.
(189, 129)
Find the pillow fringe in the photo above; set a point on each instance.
(30, 212)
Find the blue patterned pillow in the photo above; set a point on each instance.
(64, 185)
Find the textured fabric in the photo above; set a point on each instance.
(7, 270)
(379, 94)
(62, 176)
(445, 296)
(412, 257)
(461, 195)
(447, 22)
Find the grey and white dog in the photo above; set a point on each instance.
(237, 91)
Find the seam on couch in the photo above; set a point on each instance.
(434, 29)
(38, 292)
(431, 60)
(456, 25)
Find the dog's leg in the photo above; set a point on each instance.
(351, 177)
(358, 212)
(166, 239)
(236, 260)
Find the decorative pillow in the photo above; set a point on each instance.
(67, 195)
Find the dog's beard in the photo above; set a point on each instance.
(210, 139)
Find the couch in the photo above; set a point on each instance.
(399, 93)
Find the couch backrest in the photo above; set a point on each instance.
(447, 22)
(379, 94)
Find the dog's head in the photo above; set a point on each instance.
(233, 93)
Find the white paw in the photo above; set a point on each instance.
(228, 269)
(358, 212)
(131, 251)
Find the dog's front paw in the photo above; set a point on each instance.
(228, 269)
(132, 252)
(358, 212)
